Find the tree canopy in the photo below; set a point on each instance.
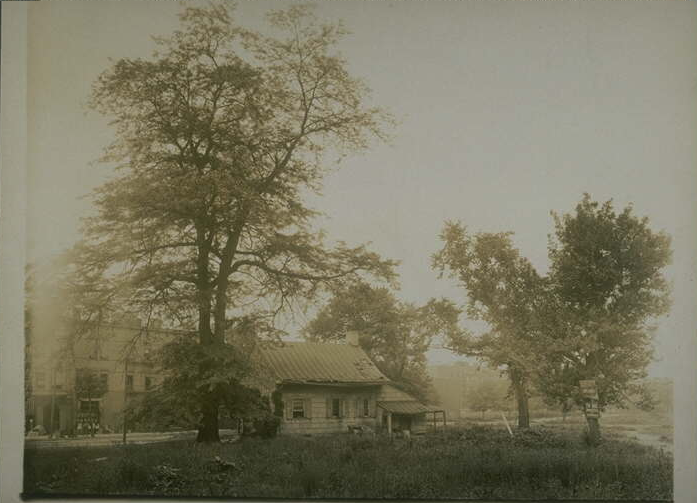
(590, 318)
(394, 334)
(606, 288)
(503, 290)
(218, 136)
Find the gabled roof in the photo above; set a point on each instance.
(313, 362)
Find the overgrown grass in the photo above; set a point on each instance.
(477, 462)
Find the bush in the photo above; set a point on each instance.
(267, 426)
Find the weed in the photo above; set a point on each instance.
(478, 462)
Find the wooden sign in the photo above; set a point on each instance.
(588, 389)
(592, 413)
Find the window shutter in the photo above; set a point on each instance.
(307, 408)
(344, 408)
(357, 410)
(329, 407)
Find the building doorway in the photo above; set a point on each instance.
(51, 426)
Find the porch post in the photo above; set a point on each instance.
(53, 401)
(389, 423)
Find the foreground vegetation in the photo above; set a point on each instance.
(478, 462)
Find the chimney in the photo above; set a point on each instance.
(352, 338)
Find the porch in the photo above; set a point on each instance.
(410, 416)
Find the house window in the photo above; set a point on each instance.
(366, 408)
(129, 382)
(148, 382)
(298, 408)
(336, 407)
(104, 381)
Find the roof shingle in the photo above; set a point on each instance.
(321, 363)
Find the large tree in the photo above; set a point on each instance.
(218, 135)
(394, 334)
(606, 289)
(503, 289)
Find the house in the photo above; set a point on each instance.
(332, 388)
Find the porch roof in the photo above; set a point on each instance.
(407, 407)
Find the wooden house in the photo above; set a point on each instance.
(333, 388)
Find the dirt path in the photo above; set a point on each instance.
(101, 440)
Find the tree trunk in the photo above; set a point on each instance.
(593, 430)
(521, 396)
(208, 429)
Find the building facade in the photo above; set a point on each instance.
(334, 388)
(82, 383)
(79, 384)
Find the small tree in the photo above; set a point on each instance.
(487, 394)
(606, 288)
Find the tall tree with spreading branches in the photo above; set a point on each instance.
(503, 290)
(218, 136)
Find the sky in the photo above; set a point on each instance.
(505, 111)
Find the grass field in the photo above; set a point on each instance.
(477, 462)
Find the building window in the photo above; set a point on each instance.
(298, 408)
(148, 383)
(95, 353)
(366, 408)
(129, 382)
(104, 381)
(89, 406)
(40, 380)
(336, 407)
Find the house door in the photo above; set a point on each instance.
(401, 423)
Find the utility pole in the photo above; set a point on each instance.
(53, 399)
(125, 397)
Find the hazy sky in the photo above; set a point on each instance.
(506, 110)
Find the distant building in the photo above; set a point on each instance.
(84, 380)
(328, 388)
(78, 382)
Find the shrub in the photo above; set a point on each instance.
(131, 473)
(267, 426)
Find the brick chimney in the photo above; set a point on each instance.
(352, 337)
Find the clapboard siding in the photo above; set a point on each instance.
(316, 399)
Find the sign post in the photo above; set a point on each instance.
(591, 409)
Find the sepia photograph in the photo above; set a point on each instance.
(350, 249)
